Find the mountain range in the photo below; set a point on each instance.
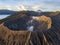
(6, 12)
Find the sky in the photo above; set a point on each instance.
(17, 5)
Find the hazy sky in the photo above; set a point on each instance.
(45, 5)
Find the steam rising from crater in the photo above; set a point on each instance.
(32, 25)
(30, 28)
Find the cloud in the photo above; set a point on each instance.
(15, 8)
(22, 7)
(42, 7)
(36, 7)
(53, 2)
(8, 7)
(45, 5)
